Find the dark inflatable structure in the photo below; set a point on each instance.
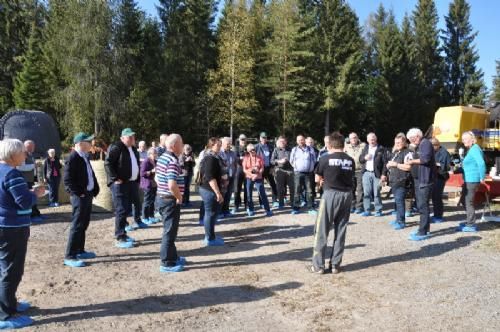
(34, 125)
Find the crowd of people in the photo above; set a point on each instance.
(346, 174)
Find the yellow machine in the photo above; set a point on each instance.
(451, 122)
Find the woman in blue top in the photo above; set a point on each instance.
(474, 169)
(16, 201)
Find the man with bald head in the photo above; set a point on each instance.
(372, 159)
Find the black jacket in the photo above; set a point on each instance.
(75, 176)
(47, 167)
(378, 162)
(118, 165)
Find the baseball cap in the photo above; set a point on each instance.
(263, 134)
(127, 132)
(82, 137)
(242, 136)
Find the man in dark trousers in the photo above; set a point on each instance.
(426, 163)
(122, 169)
(334, 173)
(80, 182)
(264, 149)
(239, 177)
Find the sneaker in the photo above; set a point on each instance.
(142, 225)
(358, 211)
(250, 213)
(131, 228)
(16, 322)
(146, 221)
(23, 306)
(124, 244)
(129, 239)
(315, 270)
(379, 214)
(365, 214)
(269, 213)
(468, 229)
(86, 255)
(56, 205)
(312, 212)
(74, 263)
(416, 237)
(213, 243)
(398, 226)
(170, 269)
(276, 204)
(181, 260)
(295, 211)
(336, 269)
(437, 220)
(302, 204)
(408, 214)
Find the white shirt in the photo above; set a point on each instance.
(90, 177)
(135, 167)
(369, 163)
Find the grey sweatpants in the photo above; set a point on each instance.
(334, 210)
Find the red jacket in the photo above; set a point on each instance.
(250, 162)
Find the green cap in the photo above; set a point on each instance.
(127, 132)
(82, 137)
(263, 134)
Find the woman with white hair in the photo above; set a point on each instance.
(474, 169)
(52, 171)
(15, 221)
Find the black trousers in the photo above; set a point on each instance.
(80, 220)
(284, 179)
(239, 186)
(13, 247)
(268, 176)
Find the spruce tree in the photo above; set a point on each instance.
(16, 19)
(284, 51)
(339, 52)
(495, 93)
(428, 59)
(464, 81)
(231, 92)
(188, 54)
(30, 88)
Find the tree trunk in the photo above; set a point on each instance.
(327, 121)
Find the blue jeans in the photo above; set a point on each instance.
(423, 193)
(148, 207)
(300, 180)
(211, 208)
(371, 189)
(80, 219)
(13, 247)
(399, 193)
(170, 213)
(54, 189)
(259, 185)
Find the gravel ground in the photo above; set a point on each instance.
(258, 280)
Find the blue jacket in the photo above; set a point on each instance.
(15, 198)
(473, 165)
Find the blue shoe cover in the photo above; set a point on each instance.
(86, 255)
(17, 322)
(22, 306)
(74, 263)
(170, 269)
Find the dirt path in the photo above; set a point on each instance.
(258, 281)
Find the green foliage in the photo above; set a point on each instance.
(30, 86)
(464, 82)
(231, 93)
(285, 53)
(495, 93)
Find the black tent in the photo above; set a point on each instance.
(34, 125)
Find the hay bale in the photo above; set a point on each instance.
(104, 201)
